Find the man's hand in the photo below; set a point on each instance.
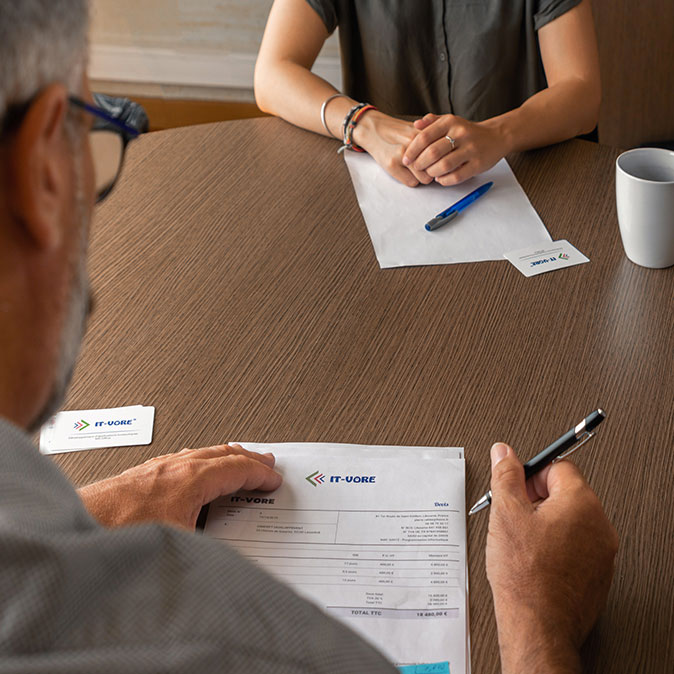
(173, 488)
(385, 139)
(477, 147)
(550, 556)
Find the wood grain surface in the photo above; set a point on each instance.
(237, 291)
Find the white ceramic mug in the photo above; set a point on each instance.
(644, 187)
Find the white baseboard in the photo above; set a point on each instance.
(186, 69)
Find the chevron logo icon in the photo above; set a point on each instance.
(563, 256)
(315, 478)
(81, 425)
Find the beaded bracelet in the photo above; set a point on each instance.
(350, 122)
(347, 120)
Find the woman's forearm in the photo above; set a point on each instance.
(293, 92)
(569, 106)
(284, 83)
(286, 87)
(557, 113)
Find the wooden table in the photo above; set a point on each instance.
(237, 291)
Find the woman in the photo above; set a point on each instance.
(484, 78)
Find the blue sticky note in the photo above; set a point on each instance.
(431, 668)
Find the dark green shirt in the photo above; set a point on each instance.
(473, 58)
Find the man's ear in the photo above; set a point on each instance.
(40, 181)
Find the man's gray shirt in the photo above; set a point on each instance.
(76, 597)
(473, 58)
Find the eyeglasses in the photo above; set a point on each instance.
(108, 138)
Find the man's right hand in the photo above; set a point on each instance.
(550, 556)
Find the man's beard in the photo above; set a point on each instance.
(79, 308)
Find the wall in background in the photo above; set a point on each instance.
(636, 50)
(206, 50)
(203, 49)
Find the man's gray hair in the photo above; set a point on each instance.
(41, 42)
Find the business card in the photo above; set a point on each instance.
(76, 430)
(543, 257)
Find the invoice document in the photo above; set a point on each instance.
(375, 536)
(500, 221)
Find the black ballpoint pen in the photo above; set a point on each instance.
(559, 449)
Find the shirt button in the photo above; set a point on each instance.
(443, 56)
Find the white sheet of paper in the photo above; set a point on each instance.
(375, 536)
(534, 260)
(395, 215)
(76, 430)
(348, 451)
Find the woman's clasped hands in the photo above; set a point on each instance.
(446, 149)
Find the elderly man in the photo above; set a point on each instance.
(80, 589)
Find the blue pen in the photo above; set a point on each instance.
(448, 215)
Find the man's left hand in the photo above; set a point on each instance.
(172, 488)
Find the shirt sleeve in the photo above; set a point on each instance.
(549, 10)
(77, 598)
(327, 11)
(154, 599)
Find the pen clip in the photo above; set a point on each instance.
(585, 437)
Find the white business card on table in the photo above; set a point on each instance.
(540, 258)
(76, 430)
